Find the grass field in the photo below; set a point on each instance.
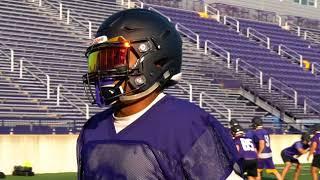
(305, 175)
(57, 176)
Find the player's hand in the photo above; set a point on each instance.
(259, 154)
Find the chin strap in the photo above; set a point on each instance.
(126, 98)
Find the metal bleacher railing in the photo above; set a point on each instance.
(37, 73)
(189, 33)
(227, 20)
(252, 33)
(189, 91)
(285, 51)
(215, 105)
(61, 88)
(260, 74)
(307, 35)
(71, 16)
(208, 45)
(78, 17)
(195, 37)
(303, 33)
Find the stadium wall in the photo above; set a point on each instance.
(57, 153)
(45, 153)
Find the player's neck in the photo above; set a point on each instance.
(137, 106)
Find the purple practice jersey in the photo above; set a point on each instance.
(250, 134)
(262, 134)
(293, 150)
(316, 138)
(247, 149)
(174, 140)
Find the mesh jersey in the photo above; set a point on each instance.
(316, 138)
(174, 139)
(293, 150)
(247, 149)
(262, 134)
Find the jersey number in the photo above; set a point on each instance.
(247, 144)
(266, 138)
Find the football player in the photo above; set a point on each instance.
(146, 134)
(289, 155)
(247, 151)
(315, 151)
(262, 141)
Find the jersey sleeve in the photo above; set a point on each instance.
(260, 135)
(314, 139)
(237, 142)
(298, 145)
(79, 148)
(212, 156)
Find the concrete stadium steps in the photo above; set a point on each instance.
(34, 100)
(197, 67)
(88, 12)
(276, 99)
(244, 48)
(48, 48)
(65, 67)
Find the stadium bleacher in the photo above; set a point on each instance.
(50, 47)
(270, 63)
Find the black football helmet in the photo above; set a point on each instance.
(135, 48)
(305, 137)
(237, 129)
(256, 121)
(233, 122)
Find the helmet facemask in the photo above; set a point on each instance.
(115, 70)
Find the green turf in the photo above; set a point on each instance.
(305, 174)
(56, 176)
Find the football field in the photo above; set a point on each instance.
(305, 174)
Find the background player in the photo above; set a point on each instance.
(315, 151)
(262, 141)
(297, 149)
(247, 151)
